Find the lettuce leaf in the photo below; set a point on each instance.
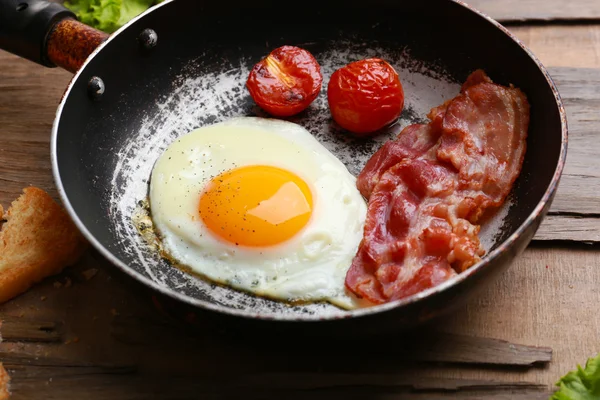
(108, 15)
(581, 384)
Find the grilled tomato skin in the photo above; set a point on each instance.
(365, 96)
(285, 82)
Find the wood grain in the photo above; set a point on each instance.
(19, 330)
(115, 341)
(576, 46)
(436, 347)
(580, 184)
(528, 10)
(70, 384)
(468, 349)
(562, 45)
(29, 96)
(543, 300)
(570, 228)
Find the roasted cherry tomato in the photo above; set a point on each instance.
(286, 81)
(364, 96)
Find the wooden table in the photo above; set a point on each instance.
(89, 334)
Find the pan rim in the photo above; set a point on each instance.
(538, 212)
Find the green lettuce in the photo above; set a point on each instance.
(581, 384)
(108, 15)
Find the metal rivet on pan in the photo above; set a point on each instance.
(96, 88)
(148, 38)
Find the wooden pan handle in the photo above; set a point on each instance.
(46, 33)
(70, 43)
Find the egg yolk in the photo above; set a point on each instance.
(256, 205)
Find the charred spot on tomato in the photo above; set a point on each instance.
(293, 96)
(286, 81)
(263, 71)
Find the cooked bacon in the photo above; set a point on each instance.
(476, 77)
(428, 188)
(484, 139)
(412, 142)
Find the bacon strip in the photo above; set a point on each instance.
(484, 139)
(428, 188)
(412, 142)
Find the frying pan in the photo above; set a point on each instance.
(183, 64)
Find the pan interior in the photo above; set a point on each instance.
(196, 76)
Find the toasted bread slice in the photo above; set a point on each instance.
(4, 379)
(37, 240)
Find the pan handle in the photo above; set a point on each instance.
(46, 33)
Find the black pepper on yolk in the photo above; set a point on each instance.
(256, 205)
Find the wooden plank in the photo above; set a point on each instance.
(580, 185)
(72, 378)
(280, 381)
(27, 359)
(546, 289)
(562, 45)
(468, 349)
(570, 228)
(19, 330)
(437, 347)
(66, 384)
(29, 95)
(577, 195)
(311, 381)
(528, 10)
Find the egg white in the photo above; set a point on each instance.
(312, 265)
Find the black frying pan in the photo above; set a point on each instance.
(183, 64)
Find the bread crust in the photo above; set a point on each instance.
(4, 380)
(37, 240)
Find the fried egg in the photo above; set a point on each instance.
(259, 205)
